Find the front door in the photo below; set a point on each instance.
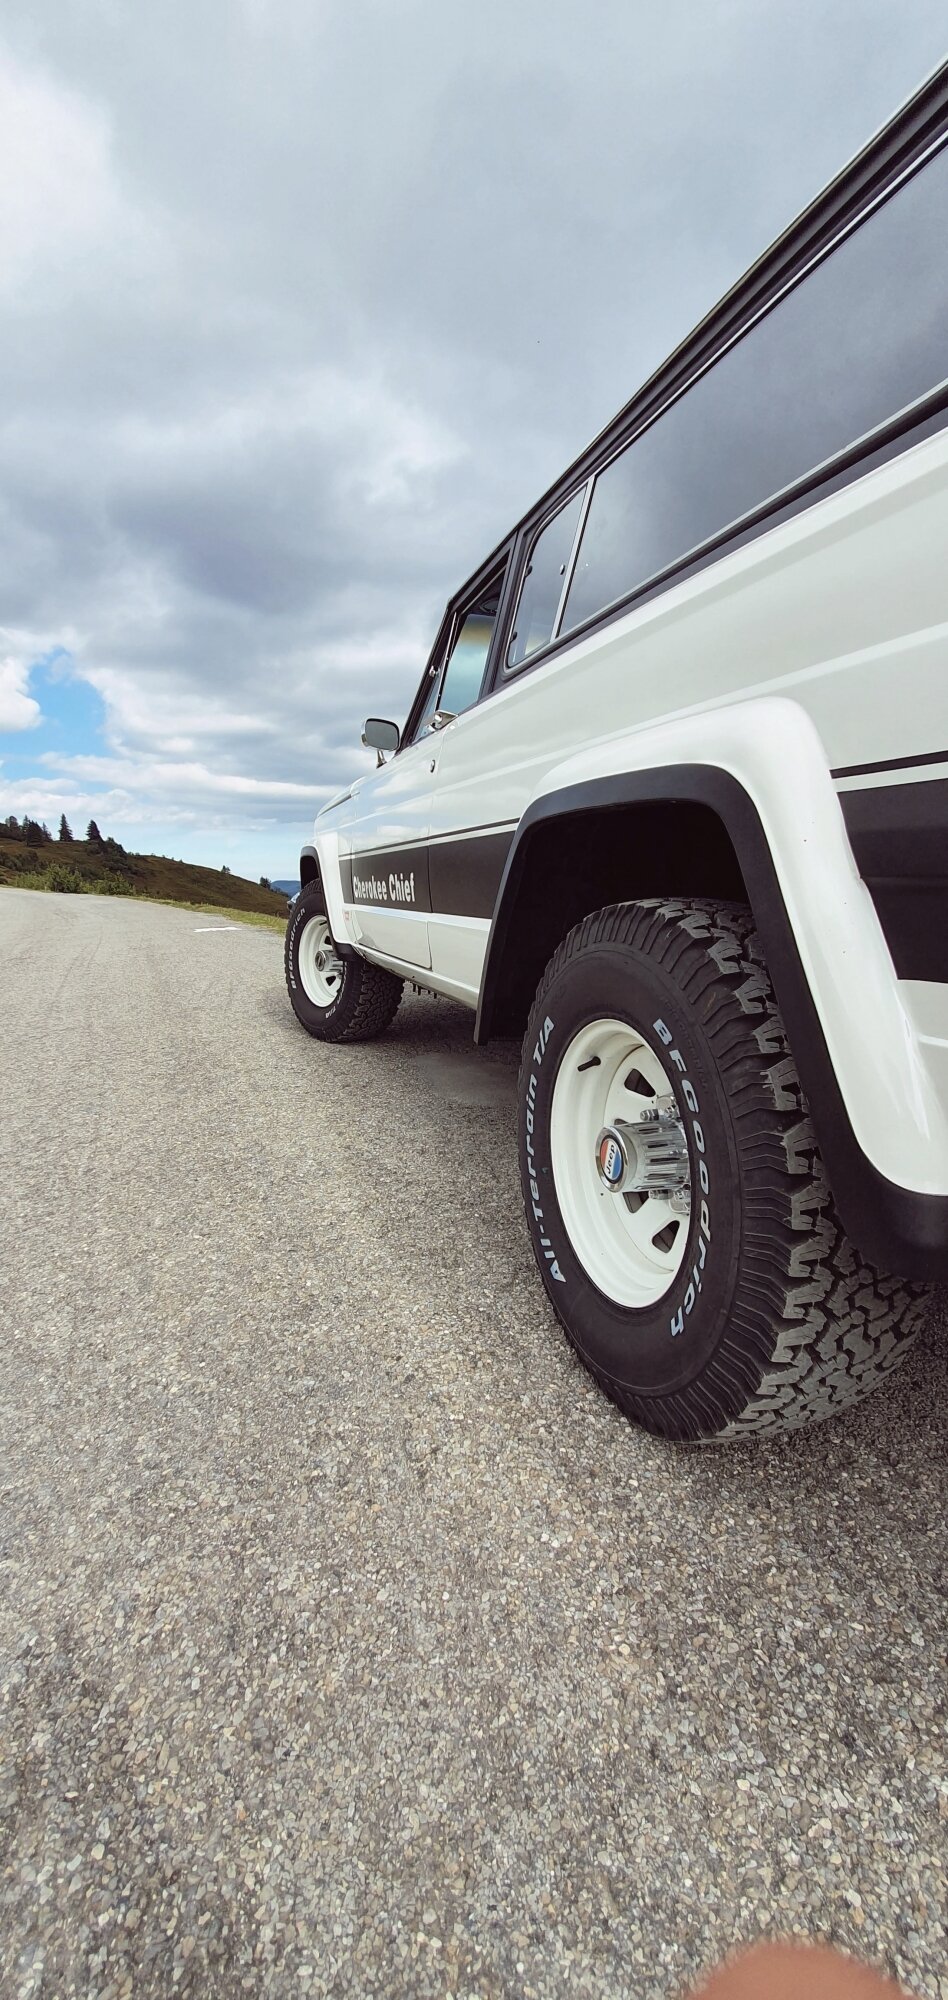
(384, 857)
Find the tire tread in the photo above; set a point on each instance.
(370, 997)
(814, 1326)
(378, 1003)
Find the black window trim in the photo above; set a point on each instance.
(733, 531)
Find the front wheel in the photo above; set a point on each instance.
(674, 1192)
(336, 998)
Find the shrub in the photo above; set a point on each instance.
(67, 880)
(111, 884)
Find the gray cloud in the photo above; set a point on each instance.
(302, 307)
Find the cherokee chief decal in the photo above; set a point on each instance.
(390, 879)
(383, 888)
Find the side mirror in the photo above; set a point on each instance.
(381, 736)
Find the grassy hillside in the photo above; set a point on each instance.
(104, 868)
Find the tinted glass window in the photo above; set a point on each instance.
(456, 687)
(861, 337)
(462, 682)
(542, 585)
(455, 682)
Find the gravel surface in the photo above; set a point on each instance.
(352, 1643)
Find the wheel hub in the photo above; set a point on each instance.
(321, 969)
(645, 1155)
(615, 1131)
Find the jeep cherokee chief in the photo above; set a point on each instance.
(672, 803)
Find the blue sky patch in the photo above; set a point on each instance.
(71, 723)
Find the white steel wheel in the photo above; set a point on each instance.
(620, 1164)
(321, 969)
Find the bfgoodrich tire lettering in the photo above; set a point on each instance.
(773, 1320)
(363, 998)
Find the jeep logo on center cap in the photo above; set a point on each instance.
(610, 1158)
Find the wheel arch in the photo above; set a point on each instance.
(309, 866)
(574, 854)
(900, 1227)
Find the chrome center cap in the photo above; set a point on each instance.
(649, 1156)
(612, 1158)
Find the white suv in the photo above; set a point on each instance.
(672, 801)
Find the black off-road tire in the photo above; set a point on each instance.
(368, 996)
(786, 1324)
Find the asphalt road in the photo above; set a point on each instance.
(351, 1642)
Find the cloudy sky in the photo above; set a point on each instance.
(301, 304)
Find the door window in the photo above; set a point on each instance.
(458, 684)
(544, 582)
(465, 670)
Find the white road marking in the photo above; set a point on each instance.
(215, 927)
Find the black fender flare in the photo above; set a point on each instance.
(310, 872)
(896, 1228)
(309, 866)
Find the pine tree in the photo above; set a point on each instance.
(265, 882)
(92, 833)
(65, 830)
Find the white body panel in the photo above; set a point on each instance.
(822, 643)
(458, 945)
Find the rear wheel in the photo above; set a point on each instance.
(336, 998)
(674, 1192)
